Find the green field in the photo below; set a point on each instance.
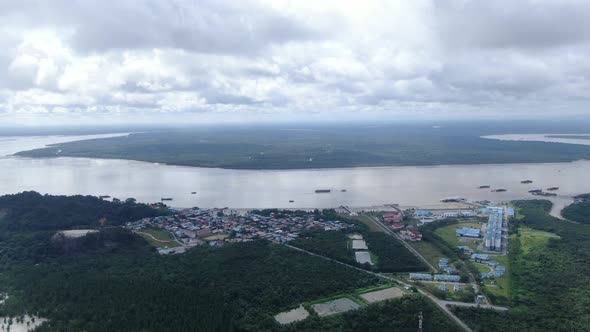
(429, 251)
(482, 267)
(160, 238)
(531, 239)
(373, 227)
(447, 233)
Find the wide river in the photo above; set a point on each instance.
(365, 186)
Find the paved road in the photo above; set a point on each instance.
(410, 248)
(443, 305)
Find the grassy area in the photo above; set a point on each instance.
(373, 227)
(482, 267)
(447, 233)
(159, 238)
(531, 239)
(429, 251)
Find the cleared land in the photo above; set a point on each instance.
(363, 257)
(335, 307)
(216, 237)
(359, 245)
(291, 316)
(382, 295)
(159, 238)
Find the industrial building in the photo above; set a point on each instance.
(493, 237)
(447, 277)
(421, 276)
(468, 232)
(480, 257)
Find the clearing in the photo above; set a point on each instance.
(158, 238)
(335, 307)
(382, 295)
(363, 257)
(291, 316)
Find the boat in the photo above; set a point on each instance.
(291, 201)
(322, 191)
(553, 188)
(166, 198)
(104, 196)
(526, 181)
(453, 199)
(501, 190)
(483, 187)
(343, 190)
(193, 192)
(535, 191)
(544, 194)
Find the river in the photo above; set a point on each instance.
(365, 186)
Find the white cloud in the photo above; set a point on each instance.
(287, 58)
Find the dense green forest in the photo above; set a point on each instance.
(550, 284)
(318, 147)
(579, 211)
(114, 281)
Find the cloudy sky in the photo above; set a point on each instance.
(91, 61)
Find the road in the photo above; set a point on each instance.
(442, 304)
(409, 247)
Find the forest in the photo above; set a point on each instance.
(550, 284)
(114, 281)
(271, 147)
(579, 211)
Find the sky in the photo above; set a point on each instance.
(178, 61)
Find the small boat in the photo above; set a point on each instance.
(544, 194)
(104, 196)
(322, 191)
(166, 198)
(193, 192)
(535, 191)
(499, 190)
(526, 181)
(291, 201)
(453, 199)
(483, 187)
(343, 190)
(553, 188)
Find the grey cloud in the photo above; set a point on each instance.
(513, 24)
(207, 26)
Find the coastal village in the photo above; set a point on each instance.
(193, 227)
